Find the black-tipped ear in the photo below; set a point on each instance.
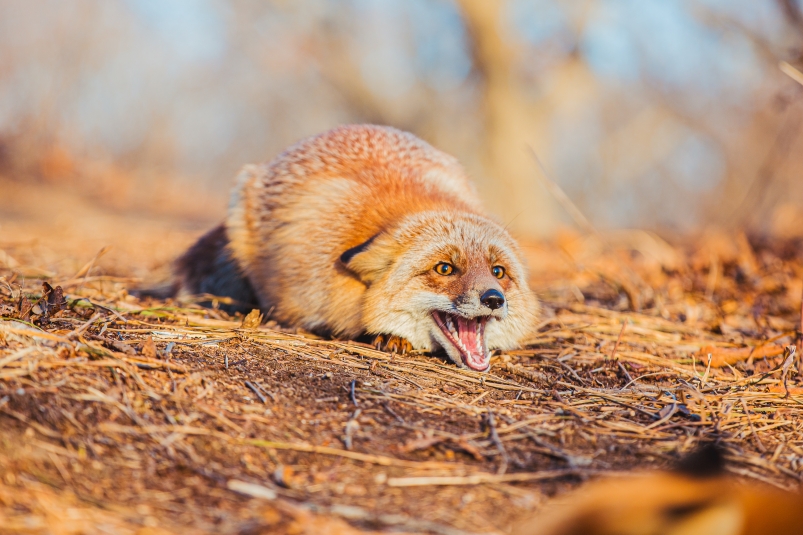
(707, 460)
(346, 257)
(369, 258)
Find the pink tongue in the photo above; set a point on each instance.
(467, 332)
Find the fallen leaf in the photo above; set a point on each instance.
(449, 389)
(422, 444)
(149, 348)
(468, 448)
(51, 303)
(24, 308)
(252, 321)
(723, 356)
(793, 390)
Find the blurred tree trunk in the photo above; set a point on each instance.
(509, 125)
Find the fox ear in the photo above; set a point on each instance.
(370, 258)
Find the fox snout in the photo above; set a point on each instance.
(493, 299)
(481, 295)
(481, 302)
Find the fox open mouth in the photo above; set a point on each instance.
(467, 336)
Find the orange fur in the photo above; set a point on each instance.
(411, 206)
(670, 504)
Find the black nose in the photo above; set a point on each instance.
(493, 299)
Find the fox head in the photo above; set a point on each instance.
(444, 279)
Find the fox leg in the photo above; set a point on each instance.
(392, 344)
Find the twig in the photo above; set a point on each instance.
(791, 72)
(759, 443)
(618, 341)
(494, 436)
(392, 412)
(482, 479)
(84, 271)
(352, 392)
(60, 467)
(713, 275)
(251, 489)
(624, 371)
(98, 305)
(256, 391)
(351, 426)
(789, 357)
(77, 332)
(560, 196)
(800, 338)
(353, 455)
(220, 417)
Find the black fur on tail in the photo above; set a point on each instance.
(706, 460)
(208, 267)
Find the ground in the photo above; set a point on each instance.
(128, 416)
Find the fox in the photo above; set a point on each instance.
(368, 230)
(697, 497)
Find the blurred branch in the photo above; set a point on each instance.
(791, 72)
(557, 192)
(335, 64)
(791, 10)
(507, 116)
(747, 211)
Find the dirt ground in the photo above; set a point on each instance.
(126, 416)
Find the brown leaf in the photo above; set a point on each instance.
(449, 389)
(252, 321)
(422, 444)
(793, 390)
(468, 448)
(55, 298)
(149, 348)
(51, 303)
(723, 356)
(24, 308)
(665, 411)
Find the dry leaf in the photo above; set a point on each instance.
(793, 390)
(449, 389)
(252, 321)
(468, 448)
(51, 303)
(421, 444)
(24, 307)
(723, 356)
(149, 348)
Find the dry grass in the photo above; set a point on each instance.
(149, 417)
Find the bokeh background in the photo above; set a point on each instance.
(670, 115)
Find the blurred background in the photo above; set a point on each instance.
(671, 115)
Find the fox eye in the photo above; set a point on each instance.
(498, 271)
(444, 268)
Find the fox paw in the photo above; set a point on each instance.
(392, 344)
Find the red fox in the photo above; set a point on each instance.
(681, 502)
(368, 230)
